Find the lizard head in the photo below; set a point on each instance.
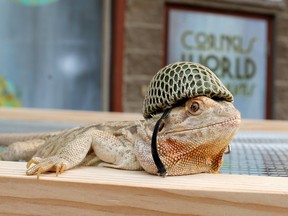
(194, 137)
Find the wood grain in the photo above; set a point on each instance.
(49, 115)
(100, 191)
(104, 191)
(264, 125)
(90, 117)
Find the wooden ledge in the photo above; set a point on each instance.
(104, 191)
(55, 115)
(92, 117)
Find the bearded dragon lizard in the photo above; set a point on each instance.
(192, 139)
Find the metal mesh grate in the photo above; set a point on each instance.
(260, 153)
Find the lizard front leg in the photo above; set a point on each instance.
(60, 155)
(70, 149)
(114, 151)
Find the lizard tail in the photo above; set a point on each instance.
(8, 138)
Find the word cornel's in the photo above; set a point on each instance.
(210, 42)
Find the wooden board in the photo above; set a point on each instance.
(104, 191)
(264, 125)
(48, 115)
(100, 191)
(96, 117)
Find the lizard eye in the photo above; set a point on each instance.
(194, 107)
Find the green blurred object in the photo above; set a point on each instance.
(2, 148)
(8, 94)
(35, 2)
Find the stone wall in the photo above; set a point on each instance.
(144, 46)
(280, 91)
(143, 49)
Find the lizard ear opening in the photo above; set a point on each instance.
(158, 127)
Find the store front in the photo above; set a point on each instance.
(244, 43)
(235, 46)
(51, 54)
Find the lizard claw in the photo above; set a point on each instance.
(40, 170)
(34, 160)
(60, 168)
(47, 164)
(28, 164)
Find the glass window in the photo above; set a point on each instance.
(50, 54)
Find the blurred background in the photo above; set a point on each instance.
(101, 54)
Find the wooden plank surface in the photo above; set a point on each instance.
(264, 125)
(87, 117)
(47, 115)
(100, 191)
(104, 191)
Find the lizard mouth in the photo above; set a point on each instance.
(233, 122)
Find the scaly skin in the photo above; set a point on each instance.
(191, 140)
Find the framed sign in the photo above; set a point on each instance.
(236, 47)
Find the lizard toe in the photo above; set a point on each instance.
(34, 160)
(60, 168)
(54, 164)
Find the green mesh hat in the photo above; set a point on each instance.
(182, 80)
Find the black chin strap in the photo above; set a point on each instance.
(160, 166)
